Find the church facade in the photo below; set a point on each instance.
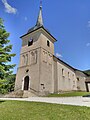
(40, 72)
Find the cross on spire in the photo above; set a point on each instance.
(40, 19)
(40, 3)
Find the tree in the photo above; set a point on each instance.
(11, 82)
(5, 58)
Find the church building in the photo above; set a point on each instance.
(40, 72)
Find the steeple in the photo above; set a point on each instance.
(40, 19)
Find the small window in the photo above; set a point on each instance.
(27, 70)
(77, 79)
(62, 71)
(48, 43)
(42, 86)
(30, 42)
(68, 74)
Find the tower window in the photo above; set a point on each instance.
(30, 42)
(48, 43)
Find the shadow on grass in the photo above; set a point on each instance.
(1, 101)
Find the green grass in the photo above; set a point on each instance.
(17, 110)
(70, 94)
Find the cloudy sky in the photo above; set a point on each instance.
(67, 20)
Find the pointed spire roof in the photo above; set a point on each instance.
(40, 19)
(39, 22)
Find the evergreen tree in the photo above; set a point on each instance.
(5, 58)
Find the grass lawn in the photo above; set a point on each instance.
(20, 110)
(70, 94)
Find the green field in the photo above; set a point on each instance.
(17, 110)
(69, 94)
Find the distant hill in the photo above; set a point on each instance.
(87, 71)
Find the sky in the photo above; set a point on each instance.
(67, 20)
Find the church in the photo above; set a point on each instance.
(40, 72)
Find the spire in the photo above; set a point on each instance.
(40, 19)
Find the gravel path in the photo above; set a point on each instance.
(78, 101)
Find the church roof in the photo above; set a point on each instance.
(65, 63)
(39, 24)
(40, 19)
(35, 28)
(74, 69)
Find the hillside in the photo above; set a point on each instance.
(87, 71)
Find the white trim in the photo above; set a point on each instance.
(23, 82)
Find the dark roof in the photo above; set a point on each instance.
(36, 28)
(71, 66)
(65, 63)
(33, 28)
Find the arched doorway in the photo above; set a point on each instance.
(26, 83)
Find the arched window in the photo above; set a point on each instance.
(68, 75)
(23, 57)
(33, 57)
(30, 42)
(62, 72)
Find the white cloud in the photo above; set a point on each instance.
(9, 8)
(25, 18)
(88, 24)
(59, 55)
(88, 44)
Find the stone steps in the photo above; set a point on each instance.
(29, 93)
(21, 94)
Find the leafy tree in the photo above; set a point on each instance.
(5, 58)
(11, 82)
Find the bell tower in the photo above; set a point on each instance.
(35, 70)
